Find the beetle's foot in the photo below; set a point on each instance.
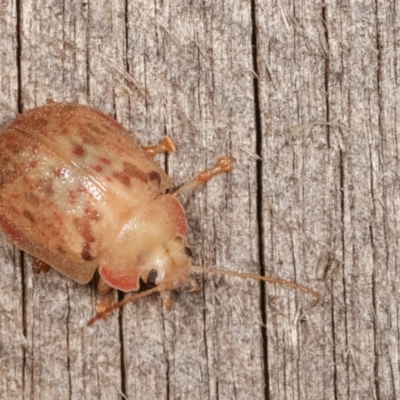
(105, 303)
(165, 145)
(39, 266)
(223, 165)
(192, 286)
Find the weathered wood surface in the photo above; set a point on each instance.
(310, 87)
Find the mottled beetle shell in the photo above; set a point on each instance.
(77, 191)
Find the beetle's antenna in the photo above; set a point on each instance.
(246, 275)
(108, 310)
(194, 268)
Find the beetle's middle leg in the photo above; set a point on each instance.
(165, 145)
(223, 165)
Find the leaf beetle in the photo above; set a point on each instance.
(80, 194)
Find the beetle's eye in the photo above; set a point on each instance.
(188, 251)
(151, 278)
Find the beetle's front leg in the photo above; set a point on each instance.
(108, 295)
(223, 165)
(103, 287)
(165, 145)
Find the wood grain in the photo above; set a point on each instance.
(306, 96)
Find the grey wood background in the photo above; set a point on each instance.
(310, 87)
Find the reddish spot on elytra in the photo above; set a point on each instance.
(13, 143)
(105, 160)
(98, 168)
(86, 252)
(79, 150)
(84, 228)
(122, 177)
(134, 172)
(81, 189)
(92, 214)
(72, 196)
(35, 148)
(33, 164)
(28, 215)
(154, 176)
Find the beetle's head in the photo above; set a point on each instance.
(150, 248)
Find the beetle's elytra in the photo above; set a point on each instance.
(79, 193)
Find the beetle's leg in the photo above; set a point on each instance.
(224, 164)
(165, 145)
(167, 300)
(108, 295)
(40, 266)
(103, 287)
(106, 302)
(193, 286)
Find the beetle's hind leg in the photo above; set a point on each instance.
(223, 165)
(165, 145)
